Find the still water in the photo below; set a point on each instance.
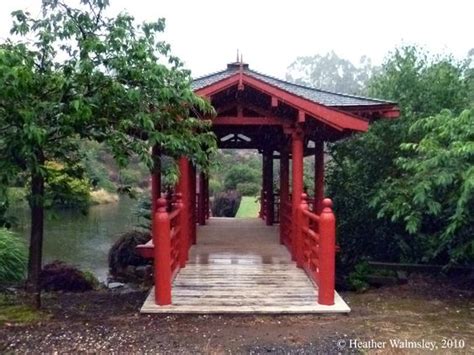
(83, 240)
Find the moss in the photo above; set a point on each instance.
(13, 310)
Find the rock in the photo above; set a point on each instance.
(113, 285)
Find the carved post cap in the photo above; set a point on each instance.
(161, 205)
(327, 205)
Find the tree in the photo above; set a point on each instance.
(364, 167)
(239, 174)
(116, 82)
(434, 193)
(330, 72)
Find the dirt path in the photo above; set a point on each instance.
(421, 312)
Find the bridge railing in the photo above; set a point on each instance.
(317, 248)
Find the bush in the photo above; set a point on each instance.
(226, 204)
(240, 174)
(13, 257)
(123, 253)
(59, 276)
(248, 188)
(215, 186)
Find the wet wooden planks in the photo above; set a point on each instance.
(238, 266)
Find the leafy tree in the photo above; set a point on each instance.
(365, 166)
(89, 76)
(434, 193)
(330, 72)
(239, 174)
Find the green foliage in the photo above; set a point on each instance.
(12, 257)
(65, 191)
(433, 195)
(239, 174)
(215, 186)
(358, 279)
(374, 189)
(88, 76)
(248, 188)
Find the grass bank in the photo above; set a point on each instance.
(249, 207)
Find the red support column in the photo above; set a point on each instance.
(327, 254)
(202, 199)
(269, 198)
(206, 196)
(184, 187)
(155, 179)
(193, 203)
(297, 190)
(162, 250)
(284, 188)
(318, 176)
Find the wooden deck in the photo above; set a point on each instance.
(238, 266)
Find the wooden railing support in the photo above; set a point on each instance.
(162, 241)
(303, 223)
(327, 252)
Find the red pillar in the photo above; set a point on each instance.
(318, 176)
(162, 250)
(202, 199)
(193, 203)
(268, 187)
(155, 179)
(284, 188)
(206, 196)
(327, 254)
(297, 190)
(184, 189)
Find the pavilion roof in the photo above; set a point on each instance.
(324, 97)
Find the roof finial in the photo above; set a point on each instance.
(241, 58)
(237, 56)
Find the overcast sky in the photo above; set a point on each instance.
(271, 34)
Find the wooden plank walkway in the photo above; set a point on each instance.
(238, 266)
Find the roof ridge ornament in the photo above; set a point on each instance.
(241, 73)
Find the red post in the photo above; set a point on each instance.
(192, 212)
(318, 176)
(284, 189)
(162, 249)
(202, 200)
(155, 179)
(297, 188)
(182, 242)
(206, 196)
(268, 186)
(327, 254)
(303, 222)
(184, 188)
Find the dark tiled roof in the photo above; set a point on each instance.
(316, 95)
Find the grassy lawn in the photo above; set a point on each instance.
(248, 207)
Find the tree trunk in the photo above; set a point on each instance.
(36, 238)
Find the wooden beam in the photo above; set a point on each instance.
(249, 121)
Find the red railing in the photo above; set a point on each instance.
(317, 247)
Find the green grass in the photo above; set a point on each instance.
(13, 310)
(249, 207)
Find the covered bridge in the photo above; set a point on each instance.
(285, 263)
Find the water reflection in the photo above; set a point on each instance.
(83, 240)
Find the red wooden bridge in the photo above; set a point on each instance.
(250, 265)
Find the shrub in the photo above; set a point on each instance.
(13, 257)
(215, 186)
(248, 188)
(226, 204)
(123, 253)
(240, 174)
(59, 276)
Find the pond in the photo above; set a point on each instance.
(83, 240)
